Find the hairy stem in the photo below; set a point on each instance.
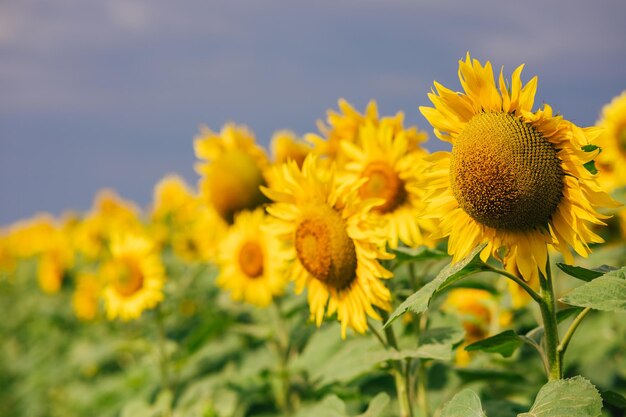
(547, 306)
(400, 373)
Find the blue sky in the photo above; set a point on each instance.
(98, 94)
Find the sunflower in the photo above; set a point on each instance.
(612, 160)
(134, 277)
(8, 260)
(344, 127)
(391, 173)
(173, 201)
(515, 178)
(199, 240)
(52, 268)
(480, 315)
(251, 261)
(286, 146)
(331, 238)
(110, 215)
(86, 297)
(234, 169)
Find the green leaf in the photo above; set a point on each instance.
(376, 406)
(328, 359)
(417, 254)
(504, 343)
(432, 351)
(589, 148)
(330, 406)
(580, 272)
(614, 399)
(607, 293)
(574, 397)
(464, 404)
(591, 167)
(419, 301)
(442, 335)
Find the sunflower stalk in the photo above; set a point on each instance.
(400, 373)
(281, 342)
(162, 348)
(547, 306)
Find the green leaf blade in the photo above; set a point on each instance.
(418, 302)
(574, 397)
(505, 343)
(607, 293)
(464, 404)
(579, 272)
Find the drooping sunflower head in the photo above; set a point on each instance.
(333, 241)
(251, 260)
(612, 160)
(133, 277)
(233, 170)
(389, 169)
(515, 178)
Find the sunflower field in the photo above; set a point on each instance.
(349, 272)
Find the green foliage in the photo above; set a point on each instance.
(419, 301)
(584, 273)
(504, 343)
(404, 254)
(464, 404)
(607, 293)
(574, 397)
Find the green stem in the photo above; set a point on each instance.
(281, 341)
(377, 334)
(570, 332)
(422, 395)
(161, 343)
(533, 294)
(400, 373)
(403, 394)
(547, 306)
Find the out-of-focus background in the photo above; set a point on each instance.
(110, 93)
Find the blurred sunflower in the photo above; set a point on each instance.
(344, 127)
(133, 277)
(199, 240)
(480, 315)
(390, 169)
(286, 146)
(234, 169)
(109, 215)
(53, 266)
(8, 260)
(332, 239)
(86, 297)
(612, 160)
(173, 201)
(251, 261)
(515, 178)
